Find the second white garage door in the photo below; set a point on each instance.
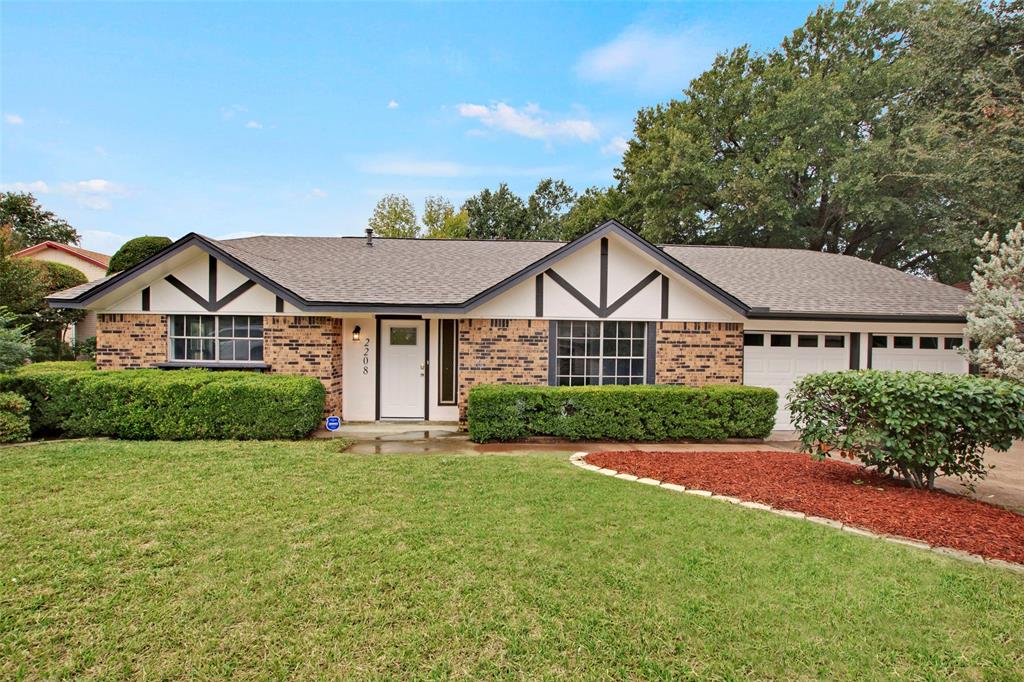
(918, 353)
(777, 359)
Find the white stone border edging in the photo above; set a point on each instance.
(579, 459)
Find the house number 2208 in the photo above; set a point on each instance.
(366, 356)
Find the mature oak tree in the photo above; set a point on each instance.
(858, 135)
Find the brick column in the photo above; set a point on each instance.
(699, 353)
(311, 346)
(130, 340)
(492, 354)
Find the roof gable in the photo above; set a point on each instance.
(94, 257)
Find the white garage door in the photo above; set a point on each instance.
(777, 359)
(917, 352)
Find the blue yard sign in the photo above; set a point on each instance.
(333, 423)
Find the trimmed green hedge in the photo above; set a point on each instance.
(13, 418)
(627, 413)
(141, 404)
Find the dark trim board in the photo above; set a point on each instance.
(854, 350)
(552, 351)
(602, 310)
(871, 347)
(212, 305)
(540, 295)
(603, 295)
(652, 352)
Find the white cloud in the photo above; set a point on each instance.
(94, 194)
(392, 104)
(102, 241)
(412, 167)
(255, 125)
(37, 187)
(651, 60)
(404, 166)
(317, 193)
(616, 146)
(530, 122)
(228, 113)
(13, 119)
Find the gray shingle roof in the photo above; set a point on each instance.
(410, 271)
(343, 270)
(808, 282)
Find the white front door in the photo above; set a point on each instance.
(777, 359)
(403, 371)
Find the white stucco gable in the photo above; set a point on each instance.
(191, 271)
(635, 286)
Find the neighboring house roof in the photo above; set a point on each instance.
(95, 257)
(342, 273)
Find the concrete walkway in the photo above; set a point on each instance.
(1004, 485)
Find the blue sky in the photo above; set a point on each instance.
(240, 118)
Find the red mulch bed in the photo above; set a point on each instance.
(835, 490)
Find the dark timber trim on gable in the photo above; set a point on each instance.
(211, 304)
(602, 232)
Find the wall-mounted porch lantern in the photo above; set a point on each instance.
(355, 332)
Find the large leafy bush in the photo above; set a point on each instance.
(627, 413)
(914, 424)
(14, 425)
(71, 399)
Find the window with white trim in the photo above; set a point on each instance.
(597, 353)
(216, 338)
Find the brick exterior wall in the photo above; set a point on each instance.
(517, 354)
(130, 341)
(699, 353)
(311, 346)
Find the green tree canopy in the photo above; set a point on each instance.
(134, 251)
(31, 223)
(547, 207)
(848, 138)
(500, 214)
(48, 324)
(440, 221)
(21, 287)
(394, 216)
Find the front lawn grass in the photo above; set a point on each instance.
(212, 559)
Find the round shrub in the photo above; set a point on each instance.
(14, 424)
(134, 251)
(913, 424)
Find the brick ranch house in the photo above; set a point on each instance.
(402, 328)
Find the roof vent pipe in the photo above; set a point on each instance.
(369, 236)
